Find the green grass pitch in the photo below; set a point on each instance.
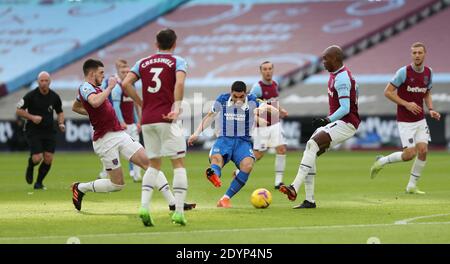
(351, 207)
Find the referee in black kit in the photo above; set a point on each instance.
(39, 127)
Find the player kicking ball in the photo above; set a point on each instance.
(234, 114)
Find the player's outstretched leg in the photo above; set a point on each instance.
(289, 190)
(213, 175)
(381, 161)
(77, 196)
(376, 167)
(100, 186)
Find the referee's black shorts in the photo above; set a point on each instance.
(40, 143)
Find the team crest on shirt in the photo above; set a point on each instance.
(50, 108)
(411, 79)
(115, 161)
(425, 80)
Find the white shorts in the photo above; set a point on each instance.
(268, 137)
(339, 132)
(132, 130)
(164, 140)
(412, 133)
(111, 145)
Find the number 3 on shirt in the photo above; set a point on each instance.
(157, 72)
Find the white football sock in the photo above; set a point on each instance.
(309, 184)
(101, 186)
(148, 183)
(163, 186)
(391, 158)
(416, 171)
(280, 165)
(180, 186)
(308, 161)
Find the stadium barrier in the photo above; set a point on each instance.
(374, 132)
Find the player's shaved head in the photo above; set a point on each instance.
(336, 52)
(333, 58)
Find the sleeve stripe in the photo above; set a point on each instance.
(393, 85)
(87, 96)
(135, 74)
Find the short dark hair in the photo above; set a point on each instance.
(166, 39)
(91, 64)
(239, 86)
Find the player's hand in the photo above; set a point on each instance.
(36, 119)
(283, 113)
(320, 122)
(62, 127)
(413, 108)
(192, 139)
(123, 125)
(435, 115)
(171, 116)
(112, 81)
(139, 127)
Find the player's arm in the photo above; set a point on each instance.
(178, 93)
(116, 96)
(343, 86)
(128, 87)
(206, 122)
(428, 100)
(95, 100)
(21, 111)
(391, 92)
(266, 108)
(137, 117)
(59, 114)
(78, 108)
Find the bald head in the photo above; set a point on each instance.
(43, 74)
(44, 81)
(333, 58)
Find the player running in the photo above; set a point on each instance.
(409, 88)
(109, 139)
(337, 127)
(162, 75)
(235, 115)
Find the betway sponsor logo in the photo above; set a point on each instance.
(416, 89)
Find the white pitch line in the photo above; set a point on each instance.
(217, 231)
(406, 221)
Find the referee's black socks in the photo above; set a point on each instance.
(43, 170)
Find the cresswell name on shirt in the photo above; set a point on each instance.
(166, 61)
(416, 89)
(234, 117)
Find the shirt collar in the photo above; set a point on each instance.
(339, 69)
(243, 107)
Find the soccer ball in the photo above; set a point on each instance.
(261, 198)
